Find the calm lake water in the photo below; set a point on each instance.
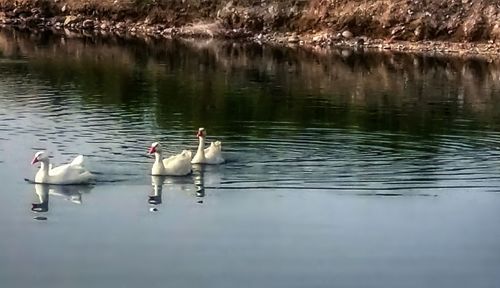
(345, 169)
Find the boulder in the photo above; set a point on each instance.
(70, 20)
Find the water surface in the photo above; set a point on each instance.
(345, 169)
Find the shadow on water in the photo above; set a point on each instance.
(43, 192)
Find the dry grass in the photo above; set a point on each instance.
(204, 29)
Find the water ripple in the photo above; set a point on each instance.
(113, 132)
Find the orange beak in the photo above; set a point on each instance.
(35, 160)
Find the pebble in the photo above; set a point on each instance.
(347, 34)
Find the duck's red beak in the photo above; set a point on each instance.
(35, 160)
(151, 150)
(199, 134)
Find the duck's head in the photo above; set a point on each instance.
(201, 132)
(40, 156)
(154, 148)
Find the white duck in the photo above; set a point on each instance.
(72, 173)
(210, 155)
(177, 165)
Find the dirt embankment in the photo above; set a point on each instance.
(458, 25)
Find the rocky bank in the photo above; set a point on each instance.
(431, 26)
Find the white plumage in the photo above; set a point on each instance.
(176, 165)
(210, 155)
(72, 173)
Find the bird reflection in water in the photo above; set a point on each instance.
(72, 193)
(155, 194)
(42, 193)
(199, 181)
(154, 197)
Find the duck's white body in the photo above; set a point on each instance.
(72, 173)
(210, 155)
(177, 165)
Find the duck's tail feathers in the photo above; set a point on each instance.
(217, 145)
(187, 154)
(78, 161)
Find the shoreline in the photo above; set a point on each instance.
(314, 40)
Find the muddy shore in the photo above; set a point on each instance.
(472, 27)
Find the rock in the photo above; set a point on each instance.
(229, 4)
(120, 26)
(70, 20)
(293, 39)
(17, 11)
(318, 38)
(397, 30)
(346, 53)
(64, 8)
(88, 24)
(418, 32)
(347, 34)
(360, 41)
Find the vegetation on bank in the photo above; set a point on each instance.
(414, 20)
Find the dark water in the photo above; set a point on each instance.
(345, 169)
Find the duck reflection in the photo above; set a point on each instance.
(72, 193)
(42, 192)
(199, 180)
(154, 197)
(157, 182)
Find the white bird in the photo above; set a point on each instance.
(176, 165)
(210, 155)
(72, 173)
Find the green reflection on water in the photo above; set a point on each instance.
(220, 85)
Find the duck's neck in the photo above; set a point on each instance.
(158, 159)
(201, 146)
(43, 173)
(44, 167)
(158, 167)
